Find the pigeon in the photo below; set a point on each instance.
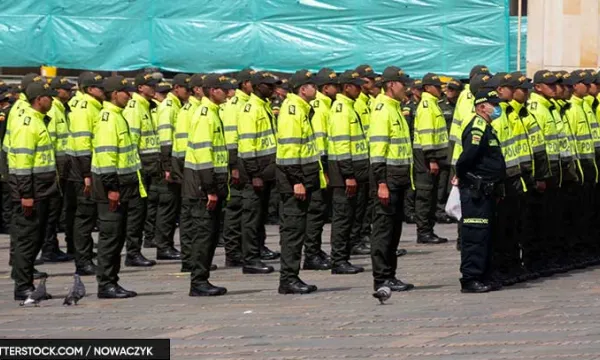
(383, 294)
(76, 293)
(37, 295)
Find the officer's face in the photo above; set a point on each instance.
(96, 93)
(416, 93)
(398, 90)
(230, 93)
(330, 90)
(64, 95)
(368, 85)
(520, 95)
(266, 90)
(182, 93)
(45, 103)
(121, 98)
(308, 91)
(549, 91)
(147, 91)
(218, 96)
(505, 92)
(352, 91)
(580, 90)
(247, 87)
(451, 93)
(593, 90)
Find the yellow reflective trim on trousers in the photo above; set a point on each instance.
(479, 221)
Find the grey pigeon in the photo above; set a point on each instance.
(76, 293)
(37, 295)
(383, 294)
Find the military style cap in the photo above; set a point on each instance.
(578, 76)
(84, 75)
(486, 96)
(197, 80)
(302, 77)
(117, 83)
(454, 84)
(379, 81)
(245, 75)
(164, 87)
(29, 79)
(146, 79)
(523, 81)
(61, 82)
(234, 82)
(502, 79)
(182, 80)
(545, 77)
(285, 84)
(479, 82)
(326, 76)
(4, 95)
(366, 71)
(351, 77)
(479, 70)
(92, 81)
(432, 79)
(265, 77)
(417, 84)
(218, 81)
(37, 89)
(394, 73)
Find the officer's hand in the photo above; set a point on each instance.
(300, 192)
(454, 181)
(540, 186)
(113, 200)
(235, 176)
(168, 177)
(434, 168)
(87, 190)
(27, 205)
(211, 204)
(383, 193)
(351, 187)
(257, 184)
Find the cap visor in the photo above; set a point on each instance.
(153, 82)
(527, 85)
(494, 101)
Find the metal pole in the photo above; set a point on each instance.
(519, 15)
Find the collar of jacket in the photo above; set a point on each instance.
(362, 98)
(209, 104)
(515, 105)
(324, 99)
(142, 100)
(195, 101)
(388, 100)
(589, 99)
(344, 99)
(174, 98)
(110, 107)
(256, 100)
(242, 95)
(92, 100)
(428, 96)
(58, 104)
(576, 100)
(540, 99)
(299, 102)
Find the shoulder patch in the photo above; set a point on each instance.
(75, 102)
(379, 107)
(247, 107)
(292, 109)
(469, 95)
(204, 111)
(105, 116)
(187, 106)
(169, 102)
(533, 105)
(234, 100)
(131, 103)
(316, 104)
(479, 123)
(26, 120)
(338, 107)
(425, 104)
(84, 104)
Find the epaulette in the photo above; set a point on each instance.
(379, 107)
(292, 109)
(479, 123)
(247, 107)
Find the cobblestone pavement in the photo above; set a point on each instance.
(554, 318)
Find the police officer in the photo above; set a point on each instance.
(391, 159)
(144, 136)
(299, 174)
(447, 104)
(314, 257)
(480, 168)
(116, 185)
(431, 147)
(205, 181)
(32, 173)
(348, 171)
(257, 149)
(82, 119)
(232, 223)
(361, 229)
(59, 133)
(169, 193)
(5, 108)
(180, 142)
(409, 111)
